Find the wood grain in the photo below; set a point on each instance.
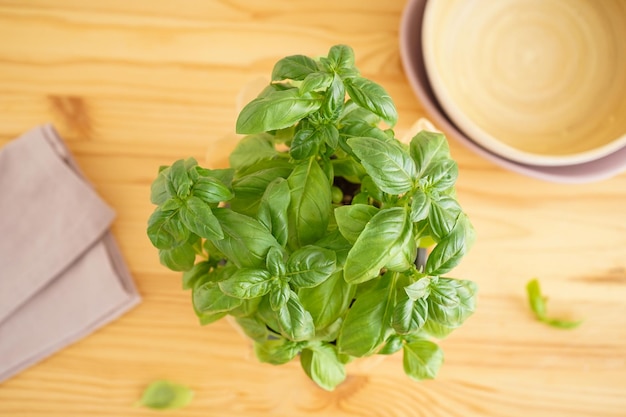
(132, 85)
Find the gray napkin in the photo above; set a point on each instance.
(61, 272)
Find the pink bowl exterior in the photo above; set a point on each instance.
(413, 62)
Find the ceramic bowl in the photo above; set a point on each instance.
(607, 160)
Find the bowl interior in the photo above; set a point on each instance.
(413, 63)
(540, 82)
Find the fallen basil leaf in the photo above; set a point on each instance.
(538, 305)
(165, 395)
(536, 300)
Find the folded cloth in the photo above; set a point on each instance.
(61, 273)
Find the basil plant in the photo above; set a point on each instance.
(309, 239)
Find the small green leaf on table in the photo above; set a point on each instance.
(165, 395)
(538, 305)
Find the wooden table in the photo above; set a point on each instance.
(132, 85)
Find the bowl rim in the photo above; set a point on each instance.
(412, 62)
(478, 134)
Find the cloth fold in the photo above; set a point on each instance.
(61, 272)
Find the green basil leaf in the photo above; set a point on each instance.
(294, 67)
(252, 149)
(165, 395)
(209, 298)
(276, 110)
(180, 179)
(361, 129)
(279, 294)
(437, 330)
(332, 105)
(268, 316)
(373, 97)
(310, 266)
(165, 230)
(305, 143)
(451, 301)
(273, 209)
(392, 345)
(369, 187)
(422, 359)
(328, 333)
(198, 272)
(321, 363)
(178, 258)
(276, 352)
(351, 220)
(315, 81)
(327, 301)
(420, 206)
(333, 240)
(280, 166)
(245, 241)
(275, 262)
(409, 315)
(330, 134)
(160, 190)
(253, 328)
(368, 321)
(198, 217)
(352, 112)
(310, 205)
(418, 289)
(536, 300)
(538, 305)
(211, 190)
(252, 183)
(248, 308)
(447, 253)
(390, 167)
(225, 175)
(341, 60)
(403, 253)
(562, 324)
(247, 283)
(443, 216)
(172, 204)
(428, 148)
(442, 175)
(348, 168)
(221, 273)
(208, 318)
(294, 321)
(387, 229)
